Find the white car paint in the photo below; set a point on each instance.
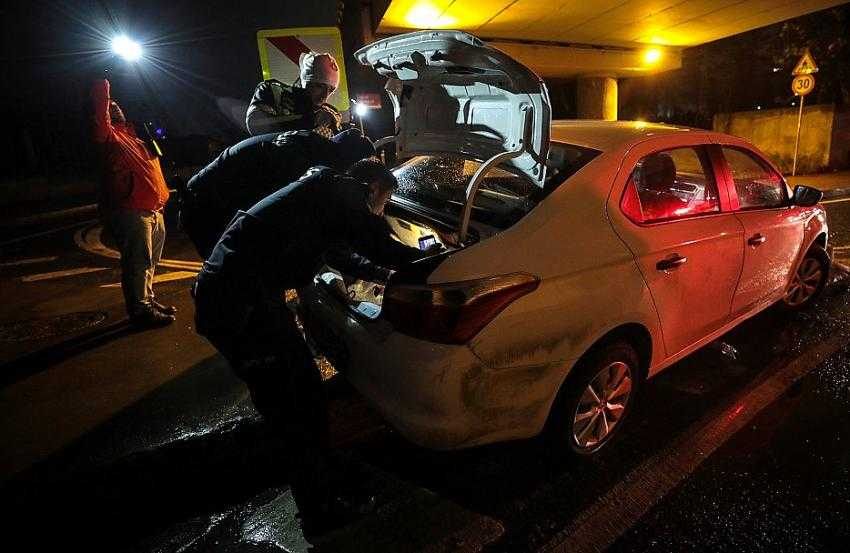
(597, 274)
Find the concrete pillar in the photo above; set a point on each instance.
(597, 98)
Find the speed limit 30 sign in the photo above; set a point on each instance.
(802, 84)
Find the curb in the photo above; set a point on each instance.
(49, 216)
(60, 213)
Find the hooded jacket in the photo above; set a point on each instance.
(132, 176)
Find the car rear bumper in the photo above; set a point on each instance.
(437, 396)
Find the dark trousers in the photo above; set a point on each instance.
(258, 336)
(203, 226)
(140, 236)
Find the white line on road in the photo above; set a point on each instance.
(30, 261)
(60, 274)
(89, 240)
(835, 201)
(164, 277)
(600, 525)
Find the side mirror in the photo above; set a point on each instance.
(806, 196)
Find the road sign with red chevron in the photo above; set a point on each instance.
(280, 50)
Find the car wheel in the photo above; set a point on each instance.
(596, 399)
(809, 279)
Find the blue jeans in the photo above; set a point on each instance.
(140, 236)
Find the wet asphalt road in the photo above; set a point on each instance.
(145, 441)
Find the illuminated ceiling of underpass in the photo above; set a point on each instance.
(599, 22)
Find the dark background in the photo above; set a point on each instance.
(202, 64)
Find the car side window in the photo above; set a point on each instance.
(758, 186)
(671, 184)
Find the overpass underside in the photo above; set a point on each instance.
(594, 42)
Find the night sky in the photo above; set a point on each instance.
(200, 68)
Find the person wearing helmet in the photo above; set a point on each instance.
(247, 172)
(277, 107)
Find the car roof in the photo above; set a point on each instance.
(609, 135)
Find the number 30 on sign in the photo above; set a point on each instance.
(802, 84)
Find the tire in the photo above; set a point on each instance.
(581, 421)
(808, 281)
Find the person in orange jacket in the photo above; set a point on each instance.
(132, 197)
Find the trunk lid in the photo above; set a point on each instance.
(454, 94)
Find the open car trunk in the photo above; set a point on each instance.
(452, 93)
(412, 226)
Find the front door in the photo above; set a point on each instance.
(773, 229)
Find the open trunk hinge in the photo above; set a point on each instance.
(472, 188)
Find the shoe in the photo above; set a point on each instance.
(151, 319)
(167, 309)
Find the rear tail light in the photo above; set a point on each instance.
(452, 313)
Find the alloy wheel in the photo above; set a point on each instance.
(602, 405)
(805, 283)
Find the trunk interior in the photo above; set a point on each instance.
(414, 227)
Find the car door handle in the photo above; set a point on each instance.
(757, 240)
(671, 263)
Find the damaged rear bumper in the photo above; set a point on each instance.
(437, 396)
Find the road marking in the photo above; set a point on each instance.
(46, 232)
(60, 274)
(835, 201)
(164, 277)
(30, 261)
(601, 524)
(89, 240)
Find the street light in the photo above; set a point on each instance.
(652, 56)
(129, 50)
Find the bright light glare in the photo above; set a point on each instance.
(652, 56)
(360, 110)
(128, 49)
(425, 15)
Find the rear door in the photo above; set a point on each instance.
(773, 228)
(687, 245)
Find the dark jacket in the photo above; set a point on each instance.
(132, 177)
(279, 107)
(245, 173)
(282, 241)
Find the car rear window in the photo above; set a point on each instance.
(669, 185)
(439, 182)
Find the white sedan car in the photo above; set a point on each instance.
(581, 257)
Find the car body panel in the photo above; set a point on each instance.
(596, 271)
(788, 231)
(453, 93)
(702, 284)
(438, 396)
